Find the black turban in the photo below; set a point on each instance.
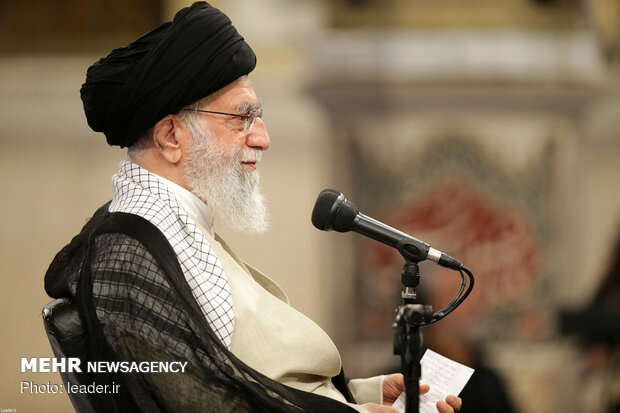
(178, 63)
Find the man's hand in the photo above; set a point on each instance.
(451, 405)
(394, 385)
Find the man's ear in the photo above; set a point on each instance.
(171, 137)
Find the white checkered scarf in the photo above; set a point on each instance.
(139, 192)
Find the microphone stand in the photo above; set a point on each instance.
(407, 335)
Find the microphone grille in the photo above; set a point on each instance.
(344, 217)
(333, 211)
(322, 209)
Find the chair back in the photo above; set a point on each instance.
(66, 335)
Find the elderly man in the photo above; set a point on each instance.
(152, 280)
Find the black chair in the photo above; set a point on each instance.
(66, 335)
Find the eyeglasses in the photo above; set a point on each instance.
(248, 118)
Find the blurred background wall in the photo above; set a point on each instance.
(488, 128)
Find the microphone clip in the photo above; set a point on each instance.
(413, 250)
(410, 279)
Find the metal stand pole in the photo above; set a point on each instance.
(408, 337)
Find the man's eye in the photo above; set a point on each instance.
(240, 121)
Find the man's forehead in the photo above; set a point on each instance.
(238, 92)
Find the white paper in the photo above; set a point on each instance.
(443, 375)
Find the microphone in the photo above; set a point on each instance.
(332, 211)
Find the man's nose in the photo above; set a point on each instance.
(258, 138)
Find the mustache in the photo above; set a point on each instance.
(250, 155)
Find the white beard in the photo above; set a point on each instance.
(216, 177)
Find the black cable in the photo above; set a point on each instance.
(459, 298)
(451, 306)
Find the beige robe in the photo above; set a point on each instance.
(275, 339)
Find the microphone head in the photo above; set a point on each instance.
(333, 211)
(322, 208)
